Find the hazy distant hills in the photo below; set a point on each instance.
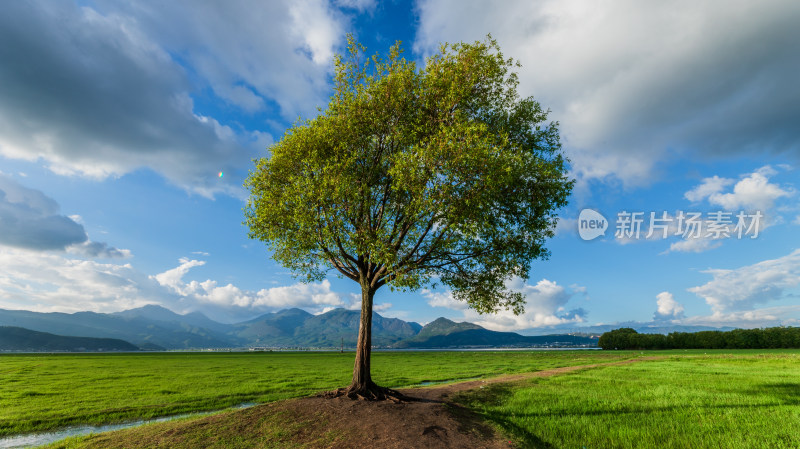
(19, 339)
(154, 327)
(147, 326)
(295, 327)
(444, 333)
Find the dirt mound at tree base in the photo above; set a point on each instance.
(318, 422)
(423, 423)
(431, 420)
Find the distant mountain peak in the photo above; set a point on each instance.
(443, 326)
(150, 311)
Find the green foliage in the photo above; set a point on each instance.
(616, 339)
(416, 174)
(769, 338)
(737, 400)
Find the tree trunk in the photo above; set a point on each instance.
(362, 386)
(362, 381)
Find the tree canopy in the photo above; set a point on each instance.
(416, 176)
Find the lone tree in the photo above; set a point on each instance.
(412, 177)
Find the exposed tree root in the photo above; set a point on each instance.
(369, 392)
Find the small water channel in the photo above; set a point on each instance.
(41, 438)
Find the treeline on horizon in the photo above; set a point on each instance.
(767, 338)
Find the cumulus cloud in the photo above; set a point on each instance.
(48, 282)
(742, 288)
(545, 305)
(709, 186)
(110, 88)
(752, 192)
(30, 219)
(634, 83)
(743, 212)
(668, 308)
(232, 302)
(250, 53)
(764, 317)
(444, 299)
(750, 205)
(173, 278)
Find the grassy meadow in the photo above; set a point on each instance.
(50, 391)
(667, 399)
(690, 399)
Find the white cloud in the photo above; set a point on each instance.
(742, 288)
(99, 250)
(567, 226)
(110, 89)
(30, 219)
(544, 306)
(579, 289)
(697, 245)
(751, 195)
(311, 22)
(746, 212)
(173, 278)
(764, 317)
(383, 307)
(635, 83)
(298, 295)
(231, 302)
(444, 299)
(250, 52)
(708, 187)
(668, 308)
(47, 282)
(754, 192)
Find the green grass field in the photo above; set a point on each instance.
(698, 399)
(41, 392)
(682, 399)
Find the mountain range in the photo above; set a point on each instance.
(156, 328)
(19, 339)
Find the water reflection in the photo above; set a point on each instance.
(38, 439)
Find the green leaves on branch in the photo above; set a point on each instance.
(416, 175)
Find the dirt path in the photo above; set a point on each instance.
(432, 420)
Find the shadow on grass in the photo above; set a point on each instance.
(471, 407)
(787, 393)
(484, 402)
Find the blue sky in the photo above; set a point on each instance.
(117, 118)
